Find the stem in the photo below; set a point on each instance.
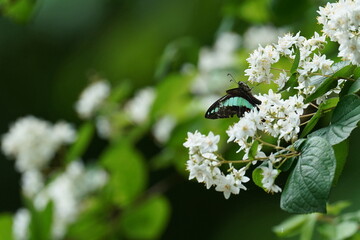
(289, 155)
(269, 144)
(301, 124)
(279, 69)
(243, 161)
(314, 105)
(319, 74)
(219, 156)
(308, 115)
(328, 110)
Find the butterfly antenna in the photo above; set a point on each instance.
(255, 86)
(232, 78)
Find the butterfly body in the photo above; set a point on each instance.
(237, 101)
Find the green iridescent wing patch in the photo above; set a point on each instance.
(237, 101)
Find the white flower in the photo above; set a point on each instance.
(214, 63)
(203, 168)
(268, 180)
(285, 43)
(32, 182)
(204, 144)
(92, 98)
(63, 133)
(34, 142)
(103, 127)
(163, 127)
(209, 143)
(260, 62)
(193, 141)
(138, 108)
(200, 172)
(222, 55)
(203, 165)
(278, 117)
(261, 35)
(67, 191)
(20, 227)
(319, 63)
(227, 185)
(341, 23)
(239, 176)
(281, 80)
(242, 130)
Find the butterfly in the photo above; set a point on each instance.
(237, 101)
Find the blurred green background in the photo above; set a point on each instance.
(49, 48)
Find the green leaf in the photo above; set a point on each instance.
(19, 10)
(296, 61)
(338, 207)
(291, 83)
(127, 172)
(341, 151)
(298, 144)
(355, 87)
(356, 73)
(328, 104)
(311, 124)
(6, 226)
(166, 100)
(308, 186)
(346, 229)
(120, 91)
(287, 165)
(291, 226)
(327, 231)
(331, 82)
(41, 222)
(93, 222)
(345, 88)
(253, 11)
(83, 139)
(174, 55)
(253, 150)
(344, 119)
(146, 220)
(339, 65)
(308, 228)
(257, 176)
(356, 236)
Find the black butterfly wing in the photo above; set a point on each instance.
(246, 94)
(220, 110)
(217, 110)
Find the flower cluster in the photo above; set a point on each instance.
(139, 107)
(21, 223)
(163, 127)
(66, 191)
(92, 98)
(261, 35)
(341, 22)
(275, 116)
(204, 165)
(213, 62)
(269, 175)
(33, 142)
(263, 58)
